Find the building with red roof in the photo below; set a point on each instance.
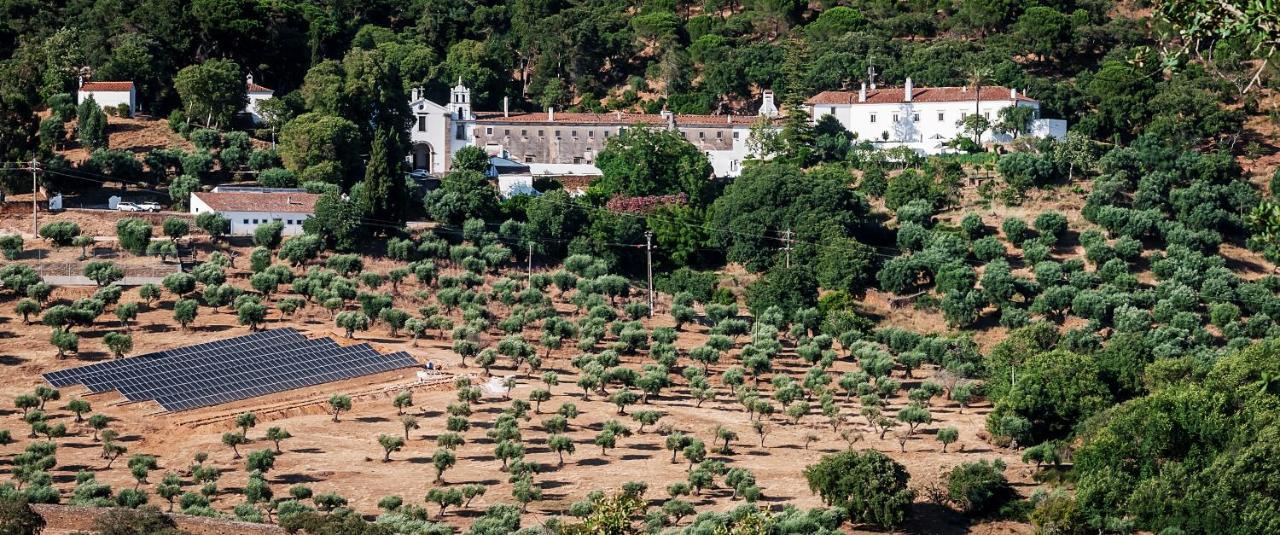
(926, 119)
(112, 95)
(248, 208)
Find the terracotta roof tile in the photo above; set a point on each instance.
(625, 119)
(239, 201)
(255, 88)
(892, 95)
(106, 86)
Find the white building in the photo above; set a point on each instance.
(925, 119)
(109, 94)
(247, 208)
(256, 94)
(565, 138)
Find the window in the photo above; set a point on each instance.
(245, 222)
(987, 114)
(422, 123)
(831, 111)
(873, 117)
(528, 158)
(577, 159)
(915, 117)
(540, 133)
(733, 165)
(524, 133)
(255, 221)
(702, 135)
(735, 135)
(461, 132)
(488, 130)
(591, 133)
(719, 134)
(573, 133)
(941, 116)
(895, 117)
(506, 132)
(557, 133)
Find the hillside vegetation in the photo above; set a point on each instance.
(1096, 314)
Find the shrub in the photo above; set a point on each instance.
(61, 233)
(972, 226)
(869, 486)
(11, 244)
(133, 235)
(988, 249)
(979, 487)
(268, 235)
(1015, 230)
(1051, 224)
(278, 178)
(699, 284)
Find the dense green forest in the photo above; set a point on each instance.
(1142, 373)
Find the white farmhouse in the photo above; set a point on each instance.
(109, 94)
(925, 119)
(247, 208)
(256, 94)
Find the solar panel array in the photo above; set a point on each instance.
(233, 369)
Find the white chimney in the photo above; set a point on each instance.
(505, 106)
(906, 91)
(862, 93)
(1013, 94)
(551, 113)
(768, 108)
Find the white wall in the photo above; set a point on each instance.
(244, 223)
(433, 127)
(111, 99)
(920, 125)
(251, 108)
(728, 163)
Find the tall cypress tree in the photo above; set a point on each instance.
(383, 195)
(797, 136)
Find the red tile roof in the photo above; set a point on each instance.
(106, 86)
(615, 118)
(240, 201)
(255, 88)
(893, 95)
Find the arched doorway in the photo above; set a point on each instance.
(422, 156)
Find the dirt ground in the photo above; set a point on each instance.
(344, 457)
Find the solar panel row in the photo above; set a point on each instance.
(70, 376)
(233, 369)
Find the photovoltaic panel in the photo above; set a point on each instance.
(232, 369)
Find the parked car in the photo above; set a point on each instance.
(129, 207)
(150, 206)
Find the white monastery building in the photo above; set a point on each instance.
(256, 95)
(109, 94)
(247, 208)
(925, 119)
(565, 138)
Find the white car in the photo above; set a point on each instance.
(149, 206)
(129, 207)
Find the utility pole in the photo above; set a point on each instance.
(648, 256)
(35, 226)
(786, 246)
(530, 259)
